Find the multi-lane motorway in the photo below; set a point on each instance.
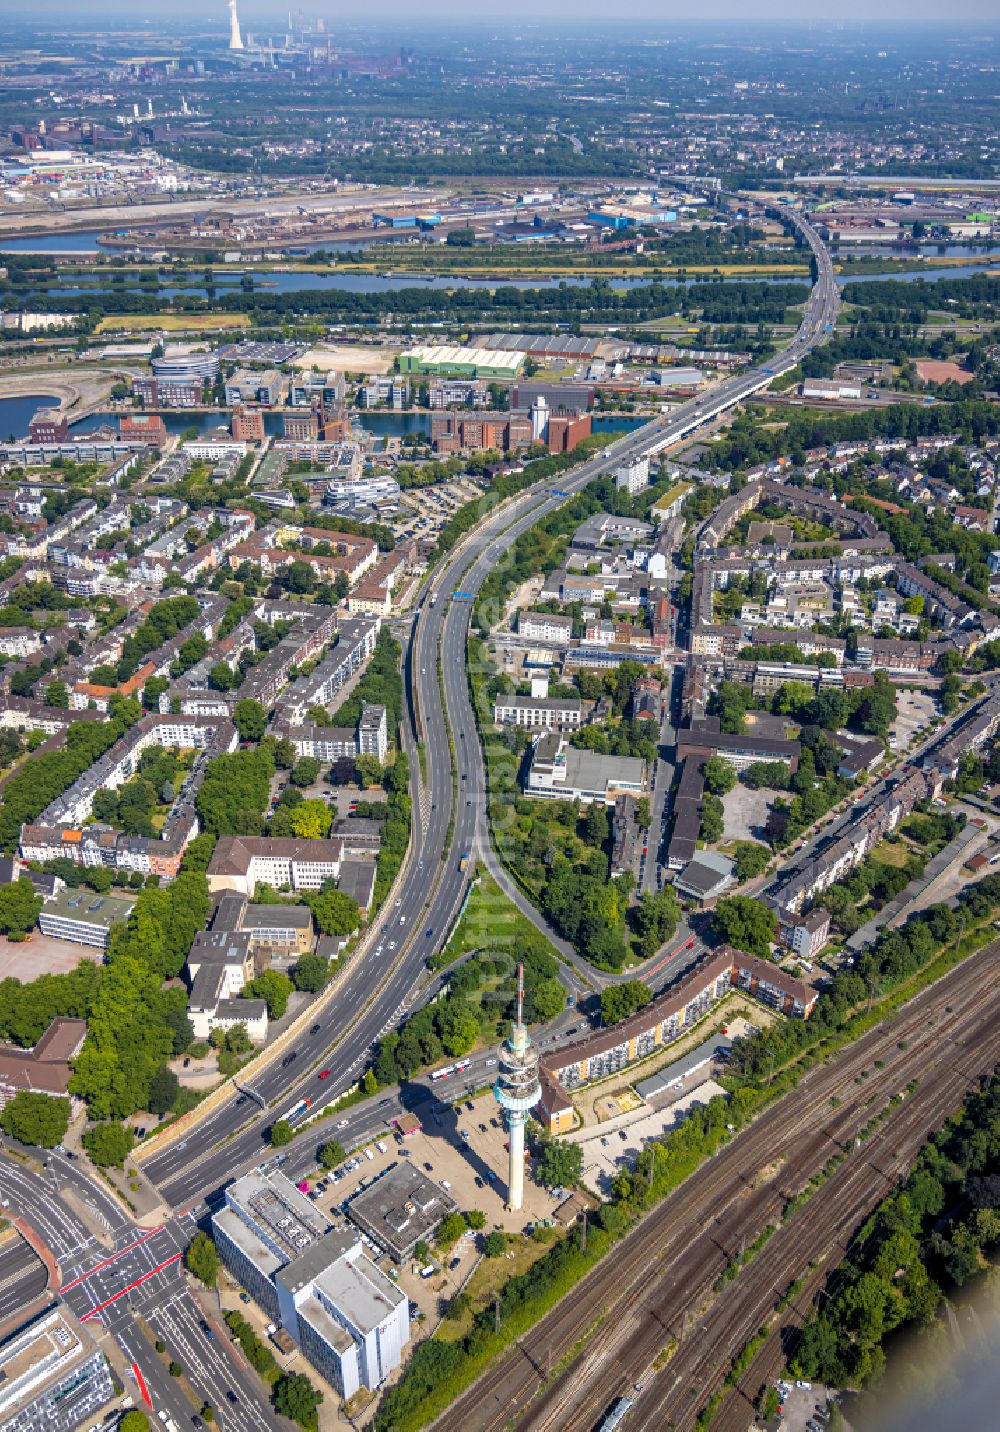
(384, 981)
(118, 1276)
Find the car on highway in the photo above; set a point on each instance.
(342, 1124)
(323, 1074)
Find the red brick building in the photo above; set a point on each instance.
(248, 424)
(143, 427)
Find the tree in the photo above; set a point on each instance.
(720, 776)
(712, 818)
(250, 719)
(284, 754)
(306, 771)
(19, 907)
(369, 1084)
(548, 998)
(451, 1228)
(310, 973)
(655, 918)
(475, 1218)
(334, 912)
(745, 923)
(56, 694)
(458, 1306)
(281, 1133)
(752, 859)
(274, 988)
(331, 1154)
(163, 1091)
(559, 1165)
(457, 1026)
(223, 678)
(495, 1244)
(198, 854)
(294, 1394)
(299, 577)
(133, 1421)
(620, 1000)
(35, 1119)
(153, 690)
(369, 769)
(202, 1259)
(597, 825)
(311, 820)
(110, 1144)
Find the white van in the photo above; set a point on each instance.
(369, 1155)
(379, 1144)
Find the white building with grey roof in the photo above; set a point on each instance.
(349, 1319)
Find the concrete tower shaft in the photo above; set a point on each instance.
(516, 1091)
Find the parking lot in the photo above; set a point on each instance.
(745, 812)
(472, 1170)
(914, 711)
(606, 1151)
(805, 1407)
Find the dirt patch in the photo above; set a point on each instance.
(41, 955)
(745, 812)
(347, 360)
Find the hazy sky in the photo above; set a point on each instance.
(849, 14)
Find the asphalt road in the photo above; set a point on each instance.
(22, 1277)
(384, 980)
(113, 1273)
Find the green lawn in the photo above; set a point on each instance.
(489, 919)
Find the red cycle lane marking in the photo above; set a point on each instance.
(666, 960)
(108, 1301)
(141, 1381)
(108, 1261)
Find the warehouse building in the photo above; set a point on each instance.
(559, 771)
(448, 360)
(83, 917)
(538, 712)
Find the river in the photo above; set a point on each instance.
(16, 414)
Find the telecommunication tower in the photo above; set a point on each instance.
(516, 1091)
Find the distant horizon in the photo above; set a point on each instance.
(646, 17)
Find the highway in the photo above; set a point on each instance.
(122, 1278)
(384, 980)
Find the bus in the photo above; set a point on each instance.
(460, 1065)
(443, 1073)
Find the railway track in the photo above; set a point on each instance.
(682, 1246)
(702, 1362)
